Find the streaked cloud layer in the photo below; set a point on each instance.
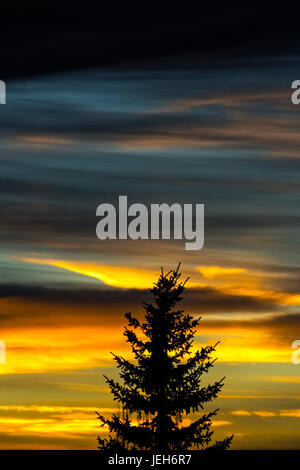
(225, 136)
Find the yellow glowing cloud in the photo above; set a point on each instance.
(241, 413)
(134, 278)
(290, 413)
(49, 349)
(85, 342)
(55, 409)
(268, 414)
(241, 345)
(241, 282)
(56, 422)
(62, 422)
(264, 414)
(50, 426)
(67, 348)
(116, 276)
(220, 423)
(211, 272)
(127, 277)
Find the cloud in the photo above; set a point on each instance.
(241, 413)
(116, 276)
(264, 414)
(290, 413)
(50, 421)
(284, 324)
(284, 379)
(217, 423)
(35, 306)
(212, 135)
(268, 414)
(211, 272)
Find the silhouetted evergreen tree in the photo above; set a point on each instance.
(161, 386)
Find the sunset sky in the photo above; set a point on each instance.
(226, 136)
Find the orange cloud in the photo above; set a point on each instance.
(45, 140)
(290, 413)
(220, 423)
(241, 413)
(268, 414)
(57, 349)
(136, 278)
(82, 341)
(116, 276)
(264, 414)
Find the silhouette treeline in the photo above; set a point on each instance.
(163, 384)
